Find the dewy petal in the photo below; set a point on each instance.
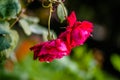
(71, 18)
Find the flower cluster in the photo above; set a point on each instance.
(76, 34)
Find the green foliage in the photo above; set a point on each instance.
(88, 65)
(25, 25)
(86, 61)
(4, 35)
(14, 40)
(30, 25)
(8, 40)
(4, 27)
(4, 42)
(31, 19)
(26, 22)
(38, 29)
(2, 58)
(9, 8)
(64, 69)
(4, 38)
(61, 12)
(115, 59)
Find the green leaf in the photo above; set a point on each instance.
(4, 27)
(38, 29)
(4, 38)
(9, 8)
(60, 12)
(115, 59)
(14, 40)
(26, 22)
(4, 41)
(2, 57)
(31, 19)
(25, 25)
(4, 35)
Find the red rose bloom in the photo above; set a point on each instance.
(76, 32)
(50, 50)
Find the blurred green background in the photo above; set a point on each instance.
(97, 59)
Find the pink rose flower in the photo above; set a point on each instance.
(50, 50)
(76, 32)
